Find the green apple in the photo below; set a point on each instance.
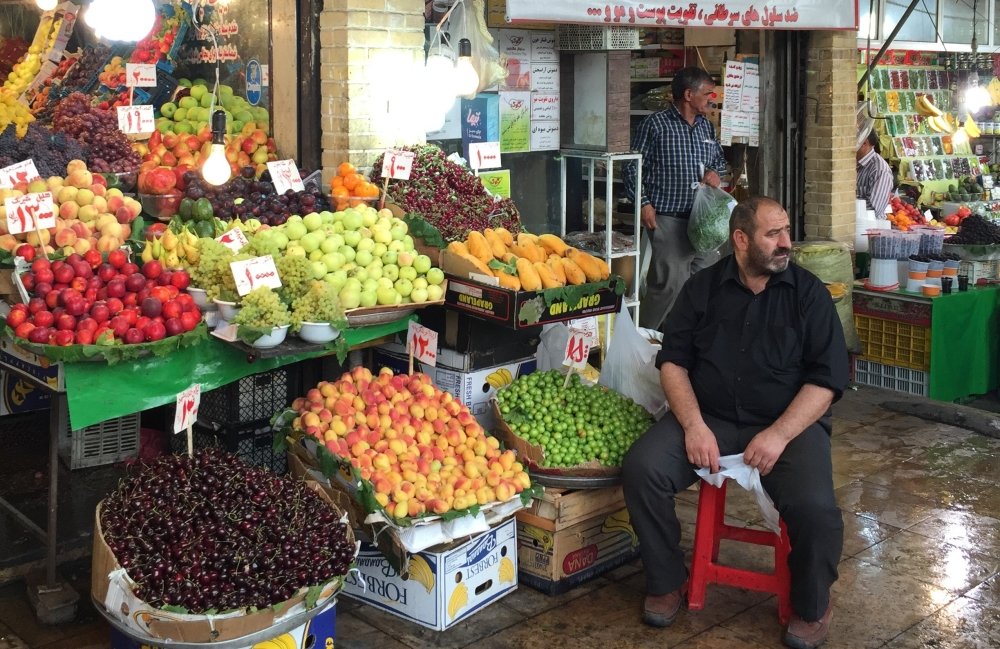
(334, 261)
(389, 257)
(327, 217)
(329, 244)
(168, 109)
(396, 246)
(279, 238)
(312, 221)
(369, 215)
(311, 241)
(360, 274)
(386, 296)
(384, 282)
(367, 245)
(352, 219)
(408, 243)
(352, 238)
(353, 283)
(350, 298)
(381, 234)
(434, 293)
(403, 286)
(420, 282)
(398, 230)
(391, 271)
(338, 227)
(422, 264)
(186, 102)
(363, 257)
(183, 81)
(435, 277)
(380, 249)
(348, 253)
(198, 91)
(316, 255)
(318, 269)
(295, 250)
(407, 273)
(336, 279)
(374, 271)
(369, 285)
(418, 294)
(405, 260)
(180, 114)
(369, 298)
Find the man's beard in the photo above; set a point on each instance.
(772, 264)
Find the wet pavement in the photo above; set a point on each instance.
(920, 567)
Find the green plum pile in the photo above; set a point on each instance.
(573, 425)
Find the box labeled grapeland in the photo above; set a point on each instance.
(474, 389)
(21, 360)
(21, 395)
(522, 309)
(569, 537)
(446, 584)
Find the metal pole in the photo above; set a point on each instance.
(56, 423)
(885, 45)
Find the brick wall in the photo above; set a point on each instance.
(830, 133)
(369, 50)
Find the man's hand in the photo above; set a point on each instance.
(711, 179)
(647, 214)
(702, 447)
(764, 450)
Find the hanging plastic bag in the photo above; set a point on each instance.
(629, 368)
(708, 226)
(468, 20)
(552, 347)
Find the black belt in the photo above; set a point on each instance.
(676, 215)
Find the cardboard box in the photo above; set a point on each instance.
(21, 395)
(19, 359)
(474, 389)
(568, 537)
(524, 309)
(447, 584)
(473, 343)
(317, 633)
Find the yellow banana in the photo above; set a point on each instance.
(286, 641)
(421, 572)
(459, 599)
(507, 571)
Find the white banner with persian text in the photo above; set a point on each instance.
(739, 14)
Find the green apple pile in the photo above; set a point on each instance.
(366, 255)
(191, 113)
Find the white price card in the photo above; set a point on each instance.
(30, 212)
(233, 239)
(186, 412)
(19, 172)
(140, 75)
(484, 155)
(397, 164)
(587, 327)
(422, 343)
(285, 176)
(252, 273)
(133, 120)
(577, 351)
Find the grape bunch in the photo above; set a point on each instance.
(83, 72)
(261, 308)
(976, 230)
(213, 272)
(295, 273)
(108, 148)
(211, 532)
(51, 151)
(319, 304)
(574, 425)
(261, 202)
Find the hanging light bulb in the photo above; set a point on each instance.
(46, 5)
(439, 80)
(216, 170)
(976, 96)
(959, 136)
(466, 77)
(121, 20)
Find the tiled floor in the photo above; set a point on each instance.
(921, 565)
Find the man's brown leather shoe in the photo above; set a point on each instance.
(808, 635)
(660, 610)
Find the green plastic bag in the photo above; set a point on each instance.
(708, 226)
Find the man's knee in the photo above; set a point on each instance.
(814, 514)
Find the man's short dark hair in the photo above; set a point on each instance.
(743, 216)
(873, 140)
(689, 78)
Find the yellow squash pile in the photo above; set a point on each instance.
(528, 262)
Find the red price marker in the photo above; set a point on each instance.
(422, 345)
(577, 351)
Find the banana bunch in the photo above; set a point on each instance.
(459, 600)
(994, 90)
(539, 536)
(971, 129)
(284, 641)
(619, 521)
(500, 378)
(421, 572)
(944, 123)
(529, 262)
(507, 570)
(925, 106)
(173, 250)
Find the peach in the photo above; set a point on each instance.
(80, 178)
(75, 165)
(415, 508)
(359, 448)
(69, 210)
(310, 419)
(88, 214)
(103, 219)
(54, 184)
(65, 238)
(99, 189)
(504, 492)
(66, 194)
(401, 510)
(133, 206)
(81, 229)
(382, 499)
(39, 237)
(8, 242)
(84, 196)
(338, 427)
(100, 203)
(108, 243)
(112, 230)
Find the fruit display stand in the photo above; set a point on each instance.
(944, 347)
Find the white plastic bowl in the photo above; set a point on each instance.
(318, 332)
(273, 339)
(200, 297)
(227, 310)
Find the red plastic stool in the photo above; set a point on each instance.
(710, 530)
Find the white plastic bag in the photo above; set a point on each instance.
(468, 20)
(735, 468)
(629, 367)
(552, 347)
(708, 226)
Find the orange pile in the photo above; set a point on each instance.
(350, 188)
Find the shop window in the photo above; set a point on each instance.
(919, 27)
(957, 19)
(868, 23)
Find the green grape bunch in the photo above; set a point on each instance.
(213, 272)
(573, 425)
(261, 308)
(319, 304)
(296, 277)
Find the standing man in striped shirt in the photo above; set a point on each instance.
(679, 149)
(874, 176)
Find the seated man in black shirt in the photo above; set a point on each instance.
(752, 359)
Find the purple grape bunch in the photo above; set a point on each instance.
(260, 201)
(211, 533)
(107, 147)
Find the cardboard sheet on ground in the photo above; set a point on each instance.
(734, 468)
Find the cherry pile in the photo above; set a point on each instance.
(212, 533)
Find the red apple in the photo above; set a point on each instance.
(76, 306)
(180, 279)
(35, 305)
(66, 322)
(106, 272)
(86, 323)
(151, 307)
(39, 264)
(115, 306)
(93, 258)
(119, 325)
(28, 279)
(78, 284)
(131, 314)
(190, 320)
(172, 309)
(16, 317)
(63, 274)
(152, 269)
(52, 299)
(116, 288)
(135, 283)
(129, 269)
(100, 312)
(39, 335)
(42, 289)
(165, 278)
(174, 327)
(43, 276)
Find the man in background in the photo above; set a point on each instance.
(874, 175)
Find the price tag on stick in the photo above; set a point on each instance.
(19, 172)
(140, 75)
(577, 350)
(422, 344)
(285, 176)
(233, 239)
(251, 273)
(135, 120)
(30, 212)
(484, 155)
(397, 164)
(186, 413)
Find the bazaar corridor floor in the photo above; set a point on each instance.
(920, 567)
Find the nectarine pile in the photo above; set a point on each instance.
(419, 448)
